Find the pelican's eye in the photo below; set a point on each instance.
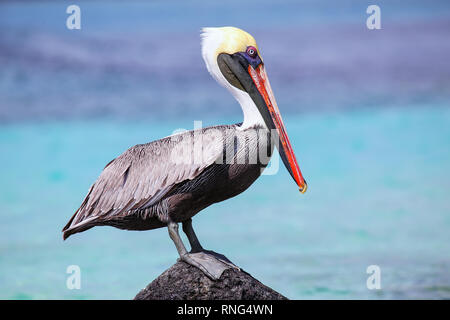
(251, 51)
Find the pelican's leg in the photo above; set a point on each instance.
(193, 240)
(184, 255)
(197, 249)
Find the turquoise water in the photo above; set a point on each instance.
(378, 194)
(368, 114)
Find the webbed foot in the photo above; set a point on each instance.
(212, 264)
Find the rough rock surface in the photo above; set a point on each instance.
(185, 282)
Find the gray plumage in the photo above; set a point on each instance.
(172, 179)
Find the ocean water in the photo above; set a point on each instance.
(378, 195)
(368, 114)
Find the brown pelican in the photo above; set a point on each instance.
(168, 181)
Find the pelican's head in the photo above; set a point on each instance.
(234, 60)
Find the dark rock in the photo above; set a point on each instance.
(185, 282)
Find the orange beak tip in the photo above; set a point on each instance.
(303, 190)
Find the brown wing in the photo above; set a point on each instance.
(143, 174)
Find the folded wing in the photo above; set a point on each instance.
(144, 174)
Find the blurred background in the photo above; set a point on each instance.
(367, 112)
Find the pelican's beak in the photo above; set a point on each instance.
(259, 77)
(253, 79)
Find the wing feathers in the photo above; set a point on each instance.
(143, 174)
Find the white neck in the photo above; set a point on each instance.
(252, 116)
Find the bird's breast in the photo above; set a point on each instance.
(244, 156)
